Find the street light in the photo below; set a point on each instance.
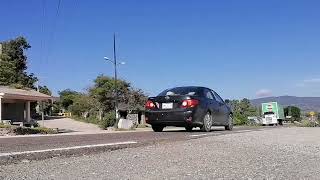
(120, 63)
(115, 64)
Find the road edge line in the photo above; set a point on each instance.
(14, 157)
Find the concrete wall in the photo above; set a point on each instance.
(136, 118)
(133, 118)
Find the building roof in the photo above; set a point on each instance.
(25, 94)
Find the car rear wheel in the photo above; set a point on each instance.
(157, 128)
(189, 128)
(207, 123)
(229, 127)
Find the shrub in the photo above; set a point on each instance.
(27, 130)
(36, 125)
(43, 130)
(4, 125)
(142, 126)
(108, 121)
(240, 119)
(306, 123)
(37, 130)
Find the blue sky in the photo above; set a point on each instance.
(239, 48)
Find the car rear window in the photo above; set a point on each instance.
(191, 91)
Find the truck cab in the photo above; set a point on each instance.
(269, 118)
(272, 113)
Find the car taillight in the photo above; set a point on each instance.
(189, 103)
(150, 105)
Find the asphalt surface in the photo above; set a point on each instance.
(277, 153)
(18, 144)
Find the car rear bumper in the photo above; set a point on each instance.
(172, 118)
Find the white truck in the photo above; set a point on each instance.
(272, 113)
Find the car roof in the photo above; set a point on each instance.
(199, 87)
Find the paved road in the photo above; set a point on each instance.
(18, 144)
(278, 153)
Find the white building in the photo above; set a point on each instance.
(15, 103)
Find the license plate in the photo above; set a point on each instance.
(269, 119)
(167, 105)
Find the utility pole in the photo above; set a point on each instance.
(115, 65)
(115, 77)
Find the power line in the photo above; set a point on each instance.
(42, 43)
(53, 31)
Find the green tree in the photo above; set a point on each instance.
(67, 97)
(46, 106)
(242, 109)
(136, 99)
(13, 63)
(286, 111)
(56, 107)
(7, 75)
(97, 105)
(104, 91)
(83, 105)
(294, 112)
(45, 90)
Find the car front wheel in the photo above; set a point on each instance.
(157, 128)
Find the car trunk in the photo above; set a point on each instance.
(167, 103)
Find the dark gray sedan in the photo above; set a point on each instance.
(188, 107)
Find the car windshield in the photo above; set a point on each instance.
(191, 91)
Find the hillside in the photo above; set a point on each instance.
(305, 103)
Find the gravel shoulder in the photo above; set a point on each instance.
(280, 153)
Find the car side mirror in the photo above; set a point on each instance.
(227, 101)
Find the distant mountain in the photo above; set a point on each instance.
(304, 103)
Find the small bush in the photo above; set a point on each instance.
(17, 130)
(306, 123)
(240, 119)
(108, 121)
(43, 130)
(37, 130)
(4, 125)
(142, 126)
